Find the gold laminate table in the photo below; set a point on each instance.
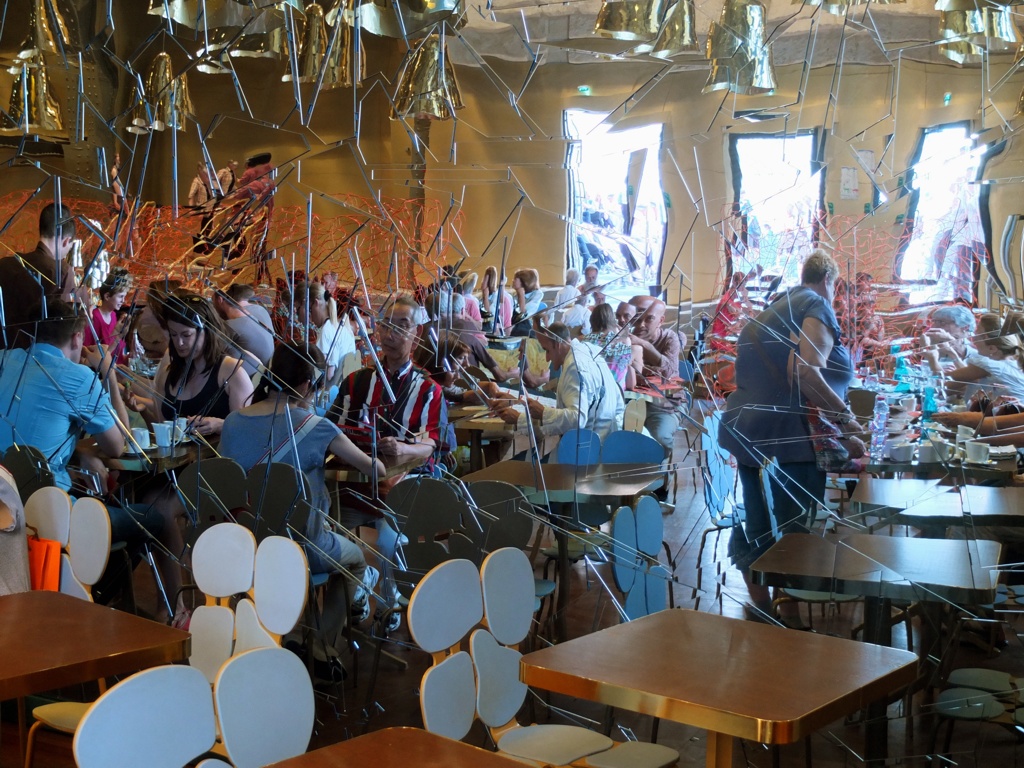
(967, 506)
(399, 748)
(730, 677)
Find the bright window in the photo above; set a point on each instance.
(618, 209)
(778, 199)
(943, 217)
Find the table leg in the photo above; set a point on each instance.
(719, 754)
(877, 630)
(476, 450)
(562, 598)
(21, 729)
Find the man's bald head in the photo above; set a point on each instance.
(650, 312)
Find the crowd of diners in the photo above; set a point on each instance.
(320, 372)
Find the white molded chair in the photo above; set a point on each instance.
(160, 718)
(265, 707)
(48, 510)
(448, 697)
(280, 589)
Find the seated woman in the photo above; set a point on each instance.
(526, 284)
(197, 380)
(996, 366)
(614, 345)
(250, 437)
(948, 330)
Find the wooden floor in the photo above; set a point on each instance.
(344, 713)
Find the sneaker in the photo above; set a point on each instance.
(394, 620)
(360, 608)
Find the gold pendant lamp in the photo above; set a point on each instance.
(741, 59)
(678, 34)
(967, 35)
(631, 20)
(167, 101)
(33, 110)
(427, 87)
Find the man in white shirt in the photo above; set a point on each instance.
(567, 294)
(587, 397)
(334, 338)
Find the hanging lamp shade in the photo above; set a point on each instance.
(678, 33)
(347, 62)
(967, 35)
(972, 5)
(402, 19)
(209, 14)
(839, 7)
(48, 32)
(741, 60)
(33, 110)
(167, 101)
(427, 87)
(311, 46)
(633, 20)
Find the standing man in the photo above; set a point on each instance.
(28, 279)
(660, 347)
(199, 193)
(334, 338)
(226, 178)
(588, 397)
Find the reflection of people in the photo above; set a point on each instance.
(27, 279)
(728, 315)
(226, 177)
(104, 320)
(789, 357)
(660, 349)
(116, 188)
(994, 368)
(199, 193)
(950, 328)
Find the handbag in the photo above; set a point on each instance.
(44, 563)
(829, 453)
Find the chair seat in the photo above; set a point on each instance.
(543, 587)
(61, 715)
(634, 754)
(967, 704)
(988, 680)
(553, 744)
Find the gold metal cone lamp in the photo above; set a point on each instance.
(206, 14)
(971, 5)
(380, 17)
(741, 60)
(172, 106)
(677, 33)
(33, 110)
(428, 87)
(635, 20)
(343, 68)
(968, 34)
(839, 7)
(48, 32)
(312, 48)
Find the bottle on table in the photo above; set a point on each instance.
(879, 421)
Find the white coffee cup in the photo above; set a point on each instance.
(163, 431)
(180, 425)
(963, 434)
(926, 453)
(909, 403)
(901, 452)
(977, 451)
(141, 437)
(943, 450)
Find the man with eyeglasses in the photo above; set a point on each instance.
(407, 427)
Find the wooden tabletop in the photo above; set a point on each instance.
(898, 493)
(738, 678)
(399, 748)
(896, 567)
(1002, 469)
(51, 640)
(607, 483)
(157, 459)
(967, 505)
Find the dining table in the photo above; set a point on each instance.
(966, 506)
(881, 569)
(567, 486)
(51, 640)
(399, 748)
(732, 678)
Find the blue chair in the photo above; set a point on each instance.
(719, 479)
(579, 446)
(623, 447)
(686, 370)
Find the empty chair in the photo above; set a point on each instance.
(280, 587)
(213, 491)
(631, 448)
(30, 469)
(279, 498)
(265, 707)
(579, 446)
(48, 511)
(160, 718)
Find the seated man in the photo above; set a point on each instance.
(661, 359)
(48, 399)
(587, 396)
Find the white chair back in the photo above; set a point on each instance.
(509, 593)
(634, 416)
(69, 585)
(89, 541)
(448, 697)
(265, 707)
(160, 718)
(223, 560)
(213, 636)
(48, 510)
(281, 583)
(249, 632)
(500, 693)
(445, 605)
(624, 549)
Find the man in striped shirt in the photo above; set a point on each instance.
(409, 427)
